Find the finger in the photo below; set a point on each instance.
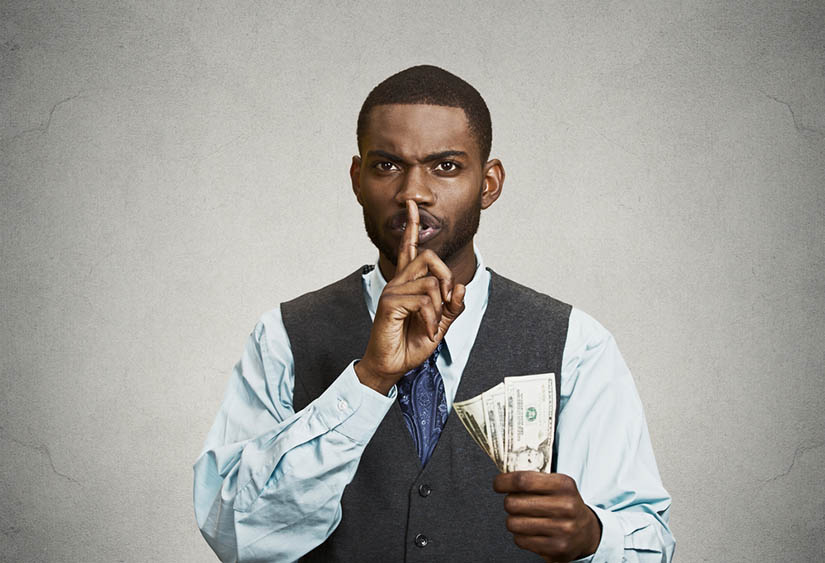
(455, 305)
(428, 263)
(452, 308)
(402, 307)
(551, 548)
(532, 526)
(544, 506)
(428, 285)
(533, 482)
(408, 248)
(427, 315)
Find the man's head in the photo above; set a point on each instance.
(424, 135)
(431, 85)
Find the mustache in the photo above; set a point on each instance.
(426, 219)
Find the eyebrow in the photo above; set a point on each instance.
(429, 158)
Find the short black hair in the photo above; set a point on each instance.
(427, 84)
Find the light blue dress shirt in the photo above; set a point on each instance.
(269, 482)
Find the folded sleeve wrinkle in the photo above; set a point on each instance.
(605, 447)
(265, 468)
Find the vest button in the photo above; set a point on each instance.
(421, 540)
(424, 490)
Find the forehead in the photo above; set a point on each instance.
(418, 130)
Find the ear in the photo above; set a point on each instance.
(493, 182)
(355, 177)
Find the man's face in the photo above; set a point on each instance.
(425, 153)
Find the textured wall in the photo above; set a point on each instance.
(167, 173)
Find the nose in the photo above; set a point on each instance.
(415, 186)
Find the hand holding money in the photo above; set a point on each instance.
(547, 515)
(514, 423)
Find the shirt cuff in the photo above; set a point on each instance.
(351, 408)
(611, 546)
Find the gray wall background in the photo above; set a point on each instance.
(169, 172)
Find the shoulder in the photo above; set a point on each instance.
(270, 329)
(526, 297)
(335, 295)
(585, 331)
(592, 358)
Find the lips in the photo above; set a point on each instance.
(429, 226)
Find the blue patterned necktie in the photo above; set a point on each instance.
(423, 404)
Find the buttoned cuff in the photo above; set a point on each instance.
(351, 408)
(611, 546)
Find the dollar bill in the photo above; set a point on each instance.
(530, 428)
(494, 417)
(471, 415)
(514, 422)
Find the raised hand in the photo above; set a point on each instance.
(413, 314)
(547, 515)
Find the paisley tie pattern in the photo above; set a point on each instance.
(424, 405)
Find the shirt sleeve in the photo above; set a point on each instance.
(605, 447)
(268, 484)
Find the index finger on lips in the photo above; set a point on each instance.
(408, 248)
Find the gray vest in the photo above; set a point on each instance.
(395, 510)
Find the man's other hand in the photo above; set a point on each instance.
(547, 515)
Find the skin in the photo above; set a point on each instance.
(417, 161)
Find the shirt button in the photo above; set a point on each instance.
(424, 490)
(342, 405)
(421, 540)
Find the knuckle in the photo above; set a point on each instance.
(567, 527)
(562, 546)
(510, 504)
(523, 479)
(511, 524)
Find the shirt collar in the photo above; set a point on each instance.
(462, 333)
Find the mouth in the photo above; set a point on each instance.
(429, 226)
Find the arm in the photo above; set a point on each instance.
(606, 460)
(269, 482)
(268, 485)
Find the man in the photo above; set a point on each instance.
(334, 440)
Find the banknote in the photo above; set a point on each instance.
(494, 401)
(514, 422)
(471, 414)
(530, 426)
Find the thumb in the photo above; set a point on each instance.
(453, 308)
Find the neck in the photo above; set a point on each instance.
(462, 264)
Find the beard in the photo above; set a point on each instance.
(457, 237)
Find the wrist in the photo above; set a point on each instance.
(371, 379)
(594, 534)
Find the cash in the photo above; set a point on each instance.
(514, 422)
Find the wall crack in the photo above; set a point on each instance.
(43, 449)
(798, 125)
(799, 452)
(43, 128)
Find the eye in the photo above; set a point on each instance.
(385, 166)
(447, 166)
